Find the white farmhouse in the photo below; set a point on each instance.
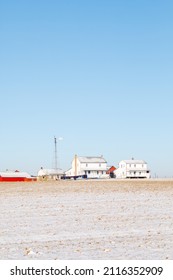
(132, 169)
(93, 167)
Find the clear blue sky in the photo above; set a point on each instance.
(99, 73)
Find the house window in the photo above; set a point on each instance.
(89, 171)
(86, 164)
(99, 164)
(134, 165)
(97, 172)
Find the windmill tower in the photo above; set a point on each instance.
(55, 151)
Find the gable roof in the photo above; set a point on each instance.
(14, 174)
(134, 161)
(110, 169)
(92, 160)
(44, 172)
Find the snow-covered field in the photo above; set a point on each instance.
(87, 220)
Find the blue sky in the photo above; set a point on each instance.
(98, 73)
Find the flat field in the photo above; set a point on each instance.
(111, 219)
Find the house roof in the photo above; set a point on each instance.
(44, 172)
(92, 160)
(111, 169)
(14, 174)
(134, 161)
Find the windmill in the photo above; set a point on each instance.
(55, 151)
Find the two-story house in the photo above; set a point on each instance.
(93, 167)
(132, 169)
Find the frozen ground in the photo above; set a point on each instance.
(87, 220)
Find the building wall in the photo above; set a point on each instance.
(92, 170)
(132, 170)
